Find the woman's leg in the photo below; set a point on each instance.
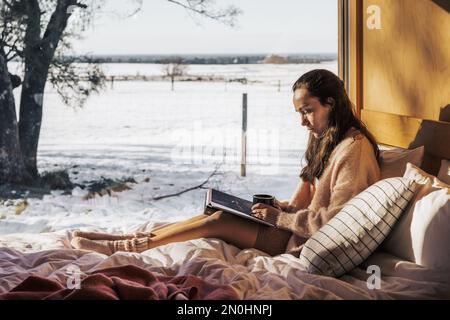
(222, 225)
(172, 226)
(155, 231)
(228, 227)
(101, 235)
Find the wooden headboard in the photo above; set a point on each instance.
(409, 132)
(399, 73)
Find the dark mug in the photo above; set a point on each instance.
(264, 198)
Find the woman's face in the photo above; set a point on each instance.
(313, 114)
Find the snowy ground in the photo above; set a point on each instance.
(175, 139)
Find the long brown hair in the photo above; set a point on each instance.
(329, 89)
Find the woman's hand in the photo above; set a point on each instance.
(282, 205)
(266, 212)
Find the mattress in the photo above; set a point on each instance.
(250, 272)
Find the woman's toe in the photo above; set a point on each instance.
(76, 233)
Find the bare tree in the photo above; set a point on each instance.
(174, 68)
(11, 162)
(207, 8)
(38, 34)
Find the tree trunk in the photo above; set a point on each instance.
(39, 53)
(11, 162)
(31, 111)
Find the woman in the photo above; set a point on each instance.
(341, 161)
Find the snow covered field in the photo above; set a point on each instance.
(172, 139)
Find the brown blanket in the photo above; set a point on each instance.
(127, 282)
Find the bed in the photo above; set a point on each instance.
(250, 273)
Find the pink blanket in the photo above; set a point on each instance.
(127, 282)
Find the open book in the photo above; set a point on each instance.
(217, 200)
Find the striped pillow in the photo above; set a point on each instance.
(358, 229)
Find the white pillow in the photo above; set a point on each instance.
(444, 171)
(393, 162)
(358, 229)
(422, 235)
(430, 228)
(399, 242)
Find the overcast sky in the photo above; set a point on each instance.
(266, 26)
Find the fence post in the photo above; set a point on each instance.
(244, 135)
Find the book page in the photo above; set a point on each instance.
(232, 202)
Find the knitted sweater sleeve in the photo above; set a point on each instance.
(348, 176)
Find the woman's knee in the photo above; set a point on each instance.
(232, 229)
(221, 221)
(218, 218)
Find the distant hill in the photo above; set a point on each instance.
(208, 59)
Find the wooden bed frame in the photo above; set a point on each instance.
(407, 132)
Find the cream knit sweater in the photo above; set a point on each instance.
(351, 168)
